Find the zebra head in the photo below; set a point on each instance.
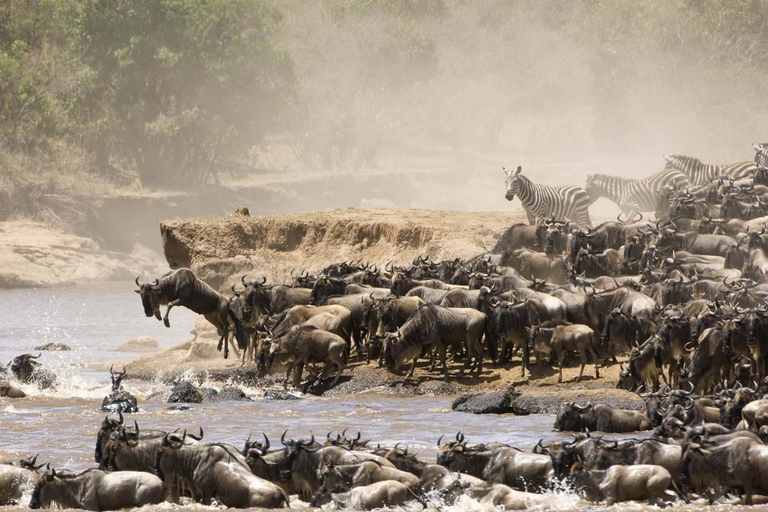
(513, 182)
(761, 158)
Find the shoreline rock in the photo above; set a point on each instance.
(53, 347)
(140, 344)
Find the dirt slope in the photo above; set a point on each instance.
(221, 249)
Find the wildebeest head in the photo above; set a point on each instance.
(569, 416)
(41, 494)
(325, 287)
(256, 297)
(117, 378)
(278, 352)
(555, 237)
(107, 427)
(394, 351)
(150, 298)
(628, 379)
(447, 452)
(23, 366)
(512, 182)
(586, 483)
(262, 448)
(292, 449)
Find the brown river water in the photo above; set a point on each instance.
(94, 320)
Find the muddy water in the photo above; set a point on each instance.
(61, 425)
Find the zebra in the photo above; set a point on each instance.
(542, 201)
(702, 174)
(635, 196)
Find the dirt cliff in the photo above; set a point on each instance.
(221, 249)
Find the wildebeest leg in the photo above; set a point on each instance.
(443, 349)
(224, 340)
(597, 361)
(525, 359)
(298, 373)
(287, 374)
(170, 305)
(413, 366)
(583, 356)
(338, 361)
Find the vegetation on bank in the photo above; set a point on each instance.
(174, 93)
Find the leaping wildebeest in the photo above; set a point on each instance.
(182, 287)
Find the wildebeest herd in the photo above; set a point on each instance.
(681, 298)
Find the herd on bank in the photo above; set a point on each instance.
(681, 297)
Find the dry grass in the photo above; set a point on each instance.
(57, 188)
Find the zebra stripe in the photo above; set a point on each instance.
(634, 196)
(542, 201)
(702, 174)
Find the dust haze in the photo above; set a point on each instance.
(563, 88)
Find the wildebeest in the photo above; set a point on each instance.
(738, 463)
(373, 496)
(29, 371)
(215, 471)
(10, 391)
(270, 300)
(304, 344)
(182, 287)
(499, 464)
(15, 481)
(625, 483)
(301, 462)
(600, 417)
(297, 315)
(346, 476)
(442, 327)
(94, 489)
(561, 339)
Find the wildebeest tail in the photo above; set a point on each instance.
(680, 493)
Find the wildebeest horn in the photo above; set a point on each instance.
(581, 408)
(460, 437)
(247, 443)
(137, 282)
(282, 438)
(263, 279)
(157, 282)
(266, 442)
(135, 428)
(198, 438)
(618, 217)
(439, 440)
(120, 419)
(243, 280)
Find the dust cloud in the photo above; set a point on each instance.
(447, 92)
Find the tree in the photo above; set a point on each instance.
(193, 84)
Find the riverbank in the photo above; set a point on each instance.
(36, 255)
(220, 250)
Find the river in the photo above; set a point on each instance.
(95, 320)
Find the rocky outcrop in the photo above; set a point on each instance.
(497, 402)
(220, 250)
(53, 347)
(120, 401)
(140, 344)
(33, 255)
(186, 393)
